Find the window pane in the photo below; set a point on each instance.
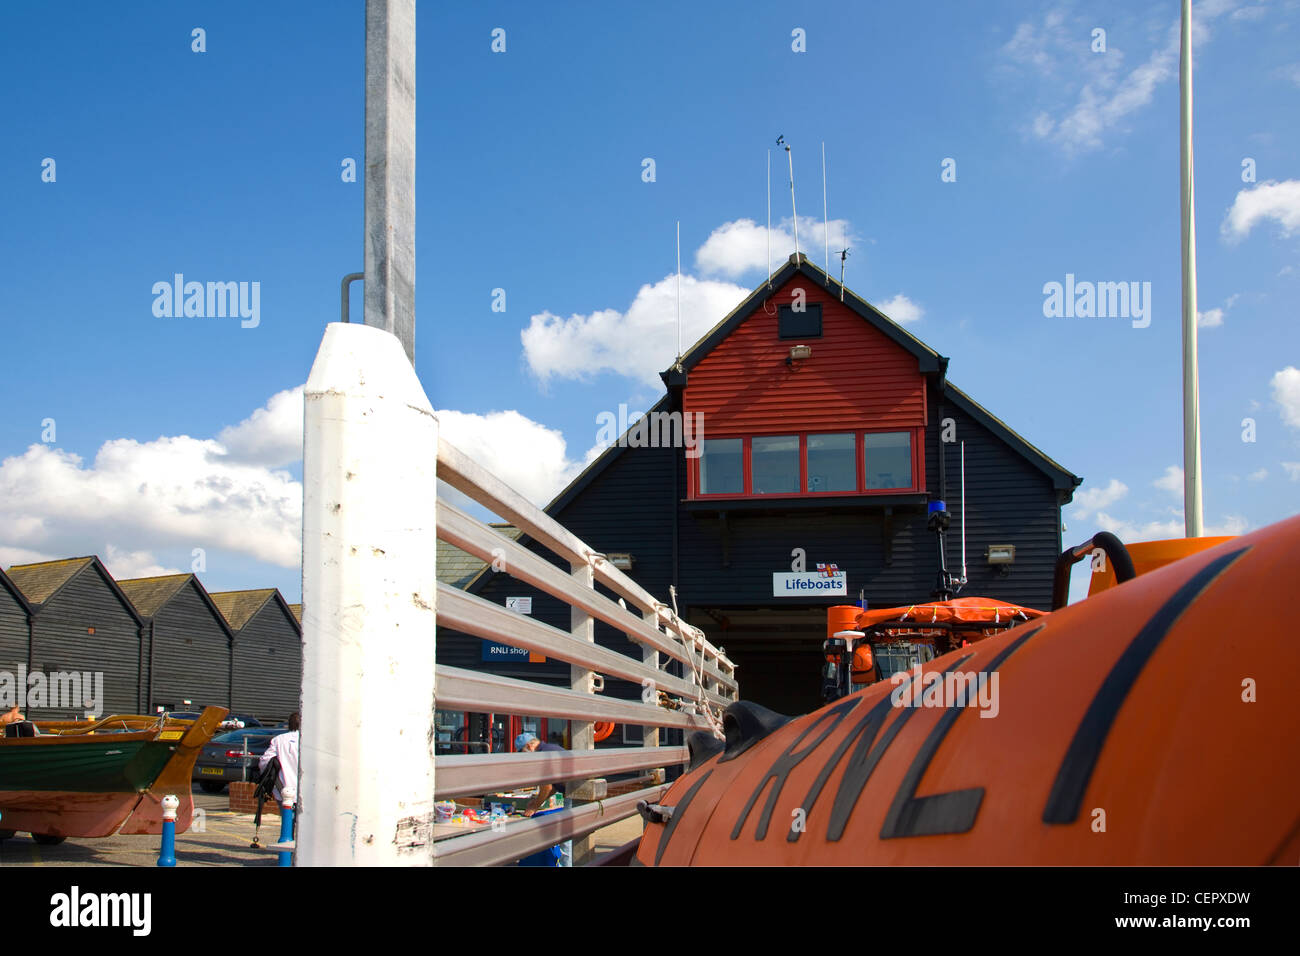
(775, 461)
(889, 460)
(806, 324)
(721, 467)
(832, 463)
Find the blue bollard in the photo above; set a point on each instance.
(287, 799)
(167, 854)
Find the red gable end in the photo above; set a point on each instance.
(856, 377)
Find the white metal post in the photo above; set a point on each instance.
(582, 735)
(650, 735)
(369, 592)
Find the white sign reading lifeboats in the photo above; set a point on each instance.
(827, 579)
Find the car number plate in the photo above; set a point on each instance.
(213, 770)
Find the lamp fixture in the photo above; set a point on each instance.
(1001, 554)
(621, 560)
(798, 352)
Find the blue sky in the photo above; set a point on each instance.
(174, 434)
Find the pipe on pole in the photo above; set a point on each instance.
(1191, 374)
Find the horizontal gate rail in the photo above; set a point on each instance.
(488, 847)
(470, 535)
(482, 618)
(460, 689)
(474, 774)
(470, 478)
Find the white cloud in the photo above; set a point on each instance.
(1279, 201)
(1158, 530)
(1286, 392)
(528, 456)
(739, 247)
(1090, 499)
(271, 436)
(638, 343)
(138, 498)
(901, 309)
(1258, 475)
(1214, 317)
(1171, 481)
(178, 492)
(1095, 93)
(124, 565)
(1129, 531)
(1292, 469)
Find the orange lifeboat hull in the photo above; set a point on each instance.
(1155, 723)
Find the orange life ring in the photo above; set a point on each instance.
(603, 731)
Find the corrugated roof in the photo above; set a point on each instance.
(39, 581)
(458, 568)
(237, 607)
(150, 594)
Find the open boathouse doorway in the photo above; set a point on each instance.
(777, 652)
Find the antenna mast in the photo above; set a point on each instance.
(794, 214)
(826, 224)
(963, 514)
(679, 293)
(769, 218)
(844, 254)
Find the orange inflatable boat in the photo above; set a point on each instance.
(1155, 723)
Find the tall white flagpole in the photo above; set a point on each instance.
(1191, 376)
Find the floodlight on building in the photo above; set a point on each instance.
(621, 560)
(798, 352)
(1001, 554)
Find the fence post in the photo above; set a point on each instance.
(582, 735)
(650, 735)
(369, 556)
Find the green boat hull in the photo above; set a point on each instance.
(104, 765)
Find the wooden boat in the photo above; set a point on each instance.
(1153, 723)
(96, 778)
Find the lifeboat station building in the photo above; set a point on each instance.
(789, 467)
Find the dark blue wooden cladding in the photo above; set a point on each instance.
(267, 663)
(190, 654)
(14, 633)
(61, 641)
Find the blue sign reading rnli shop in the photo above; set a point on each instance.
(503, 652)
(826, 580)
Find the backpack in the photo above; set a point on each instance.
(267, 781)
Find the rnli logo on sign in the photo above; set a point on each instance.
(827, 579)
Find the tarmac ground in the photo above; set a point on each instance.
(222, 839)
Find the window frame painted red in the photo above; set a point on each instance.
(917, 433)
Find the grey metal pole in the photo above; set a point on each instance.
(1191, 373)
(390, 169)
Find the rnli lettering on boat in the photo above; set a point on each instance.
(785, 584)
(74, 908)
